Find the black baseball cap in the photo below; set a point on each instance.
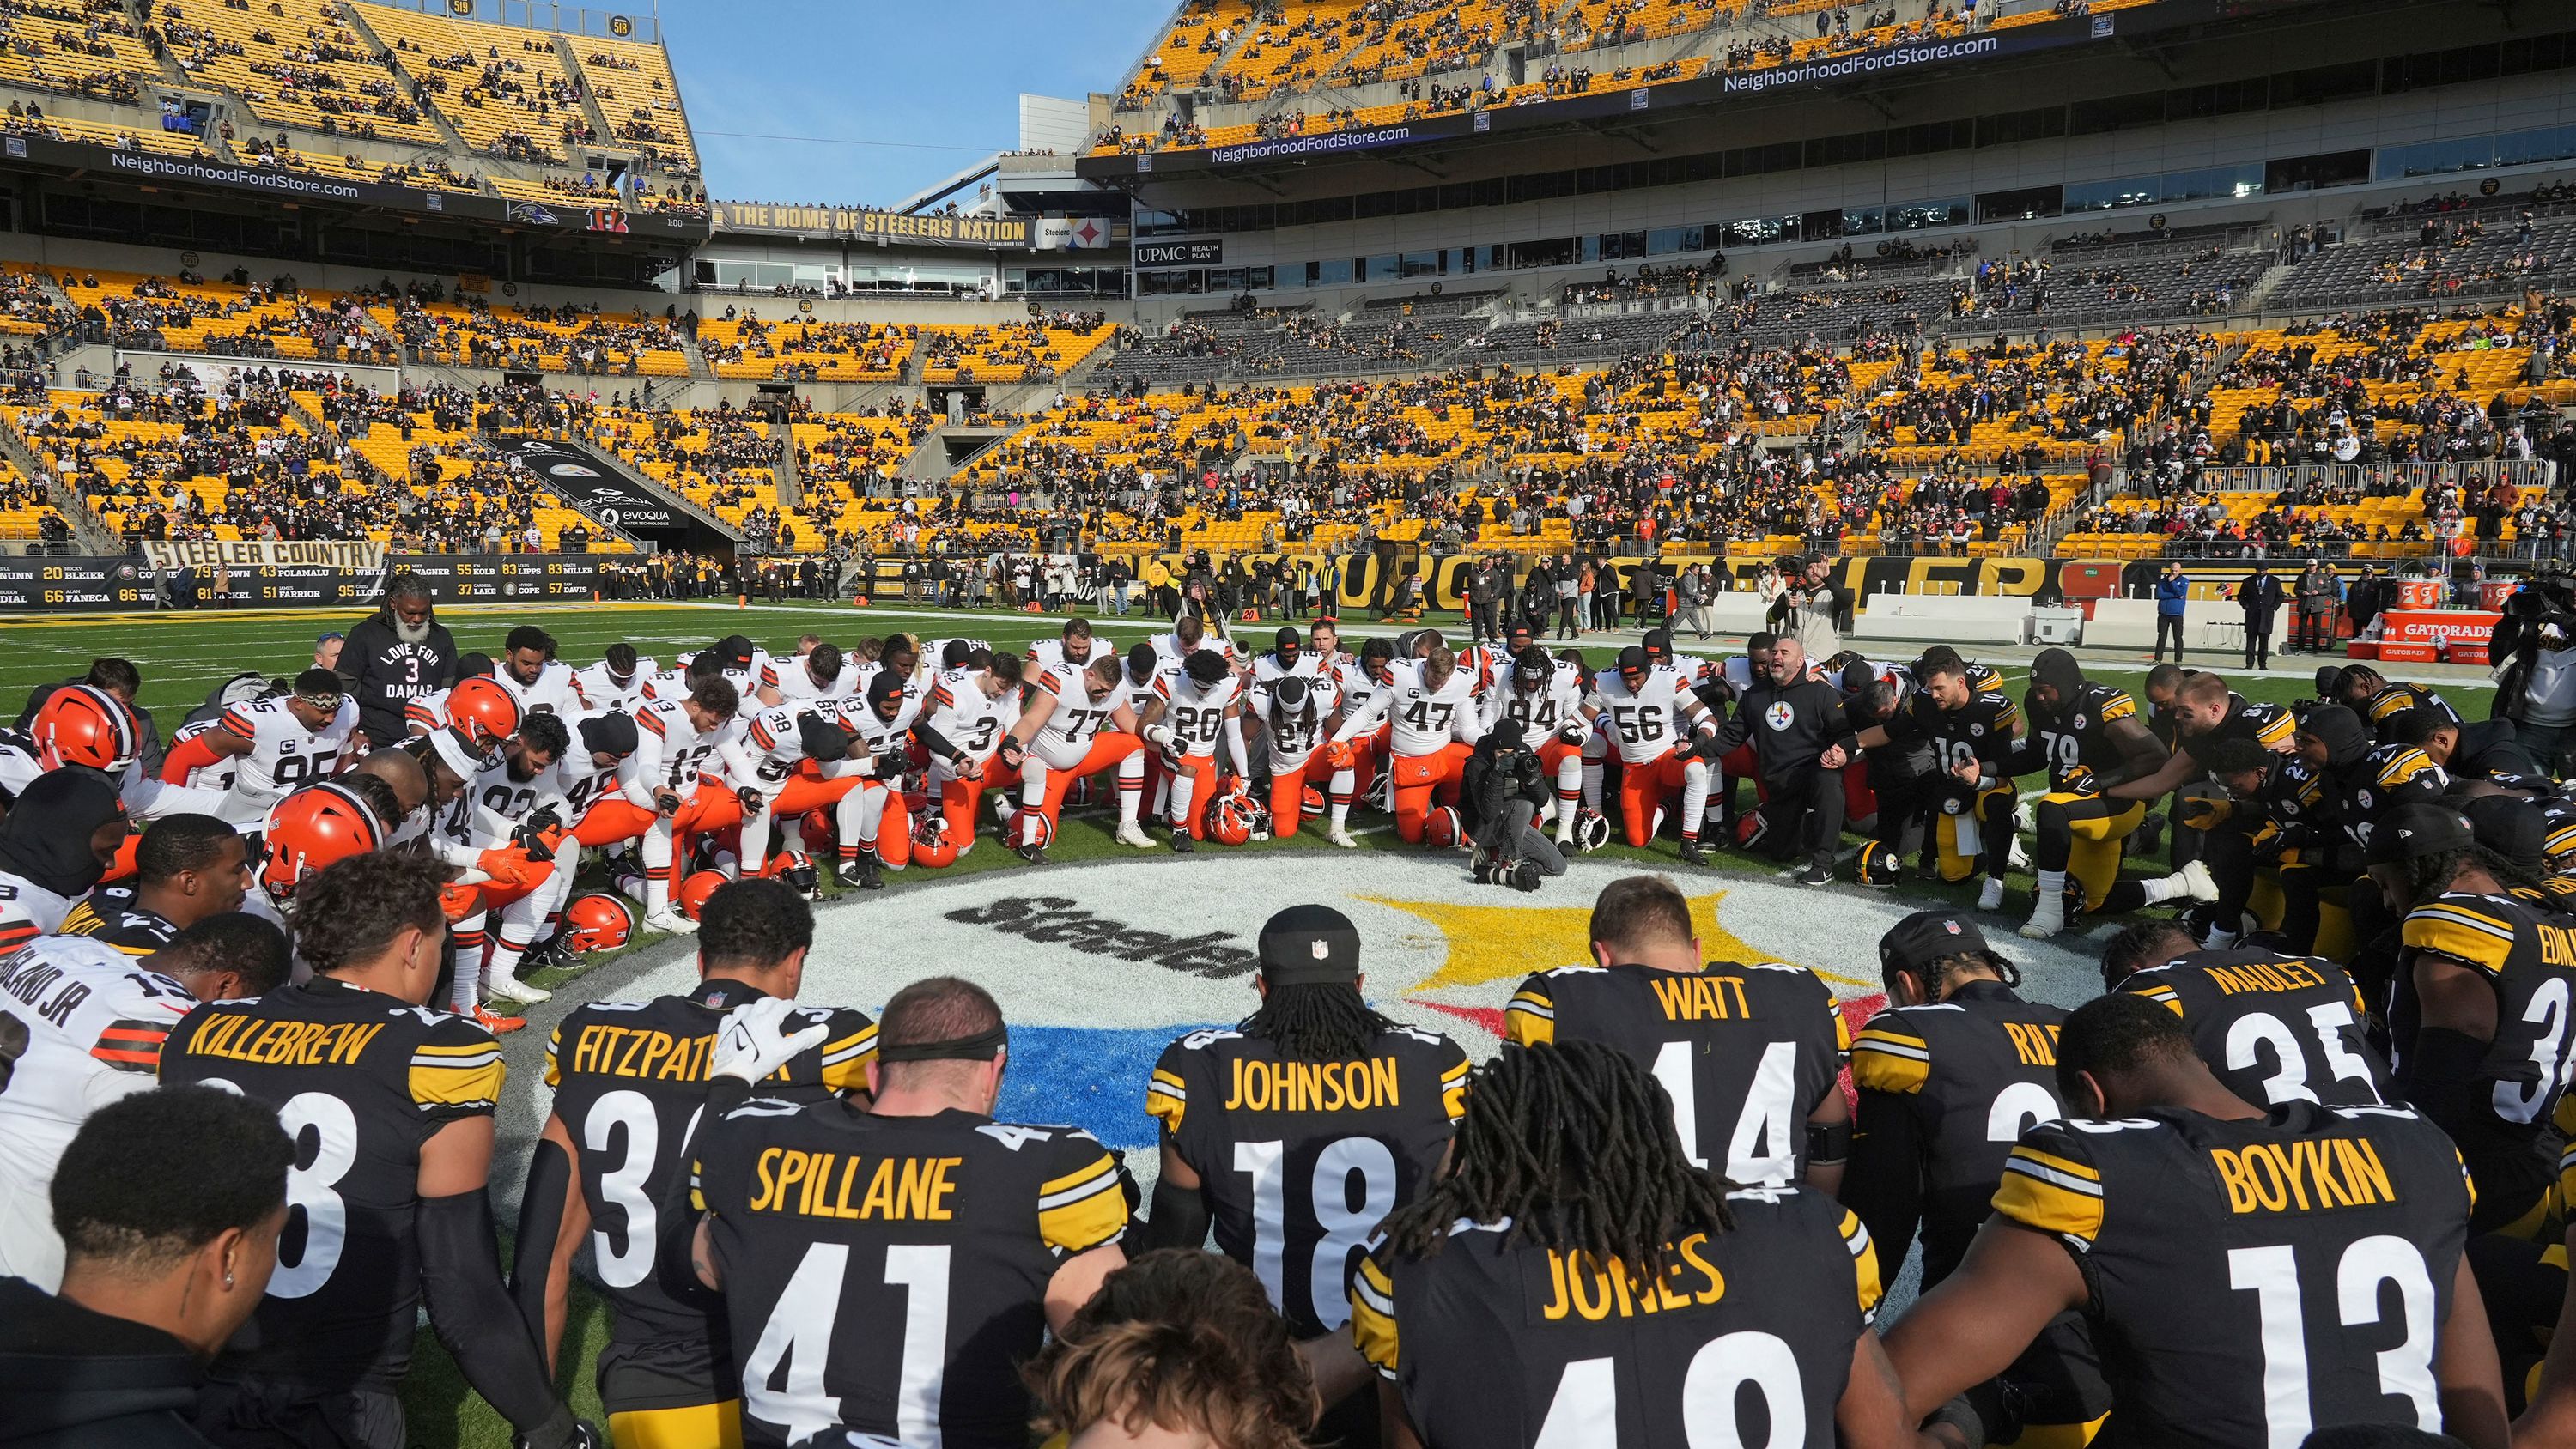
(2416, 831)
(1926, 936)
(1310, 946)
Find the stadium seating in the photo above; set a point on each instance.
(430, 173)
(504, 89)
(107, 133)
(84, 47)
(472, 333)
(748, 347)
(637, 92)
(297, 63)
(259, 320)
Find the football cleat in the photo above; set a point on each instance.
(670, 922)
(2047, 918)
(1338, 836)
(494, 1022)
(1991, 896)
(860, 872)
(1815, 875)
(1693, 853)
(1033, 853)
(518, 990)
(2197, 882)
(1131, 833)
(1181, 842)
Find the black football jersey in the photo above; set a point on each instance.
(886, 1276)
(1300, 1161)
(110, 914)
(629, 1080)
(1965, 1075)
(1745, 1052)
(2527, 954)
(2297, 794)
(2274, 1028)
(1745, 1339)
(2388, 778)
(2253, 1279)
(2078, 731)
(360, 1080)
(2267, 725)
(1981, 730)
(2395, 699)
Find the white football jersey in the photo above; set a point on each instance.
(1425, 719)
(600, 688)
(553, 693)
(1196, 715)
(90, 1023)
(883, 736)
(217, 776)
(1048, 653)
(772, 747)
(673, 750)
(966, 717)
(1543, 711)
(493, 803)
(284, 755)
(1646, 722)
(1294, 738)
(794, 680)
(1076, 720)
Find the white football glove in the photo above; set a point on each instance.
(754, 1040)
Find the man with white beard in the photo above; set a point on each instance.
(399, 654)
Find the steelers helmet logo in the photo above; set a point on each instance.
(1779, 716)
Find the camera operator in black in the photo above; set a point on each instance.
(2537, 691)
(1504, 794)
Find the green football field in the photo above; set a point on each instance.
(183, 656)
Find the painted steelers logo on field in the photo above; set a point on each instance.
(1099, 966)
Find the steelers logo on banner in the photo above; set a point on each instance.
(1099, 966)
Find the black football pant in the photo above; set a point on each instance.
(2228, 851)
(1806, 807)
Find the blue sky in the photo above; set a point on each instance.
(903, 79)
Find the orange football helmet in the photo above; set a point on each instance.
(931, 846)
(1235, 818)
(1441, 830)
(695, 890)
(81, 724)
(483, 712)
(312, 828)
(598, 921)
(1314, 804)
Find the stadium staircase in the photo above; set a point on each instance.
(457, 146)
(2261, 291)
(90, 533)
(784, 474)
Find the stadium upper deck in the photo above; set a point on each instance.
(360, 94)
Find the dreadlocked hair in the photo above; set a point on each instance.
(1940, 968)
(1575, 1145)
(1316, 1022)
(2429, 876)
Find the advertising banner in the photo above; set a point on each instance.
(214, 580)
(590, 485)
(352, 555)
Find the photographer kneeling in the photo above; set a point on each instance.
(1504, 793)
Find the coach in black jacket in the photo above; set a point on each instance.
(1801, 741)
(396, 655)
